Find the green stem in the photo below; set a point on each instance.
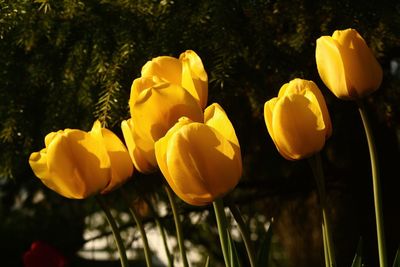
(376, 185)
(138, 221)
(222, 228)
(178, 227)
(162, 232)
(244, 233)
(164, 238)
(326, 252)
(316, 166)
(114, 229)
(147, 251)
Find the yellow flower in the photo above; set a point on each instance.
(168, 89)
(156, 109)
(201, 161)
(77, 164)
(187, 71)
(346, 65)
(298, 120)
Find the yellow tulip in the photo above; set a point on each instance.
(201, 161)
(298, 120)
(77, 164)
(156, 109)
(187, 71)
(346, 65)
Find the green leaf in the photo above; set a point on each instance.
(357, 261)
(265, 248)
(233, 256)
(207, 264)
(396, 261)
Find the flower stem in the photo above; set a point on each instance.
(222, 228)
(114, 229)
(138, 221)
(162, 232)
(147, 251)
(326, 253)
(375, 184)
(164, 238)
(245, 234)
(316, 166)
(178, 227)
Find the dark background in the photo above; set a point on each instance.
(64, 64)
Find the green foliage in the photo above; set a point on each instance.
(357, 261)
(265, 247)
(396, 261)
(233, 254)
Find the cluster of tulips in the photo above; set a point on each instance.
(195, 146)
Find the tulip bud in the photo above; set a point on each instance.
(201, 161)
(298, 120)
(77, 164)
(346, 65)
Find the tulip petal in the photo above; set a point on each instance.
(311, 91)
(138, 85)
(364, 73)
(167, 68)
(39, 164)
(159, 108)
(50, 136)
(121, 164)
(330, 66)
(297, 127)
(268, 115)
(194, 77)
(78, 164)
(161, 148)
(141, 155)
(215, 117)
(314, 95)
(202, 163)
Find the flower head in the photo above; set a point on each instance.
(201, 161)
(168, 89)
(346, 65)
(298, 120)
(76, 164)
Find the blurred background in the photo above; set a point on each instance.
(64, 64)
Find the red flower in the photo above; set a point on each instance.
(43, 255)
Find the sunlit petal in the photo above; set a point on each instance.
(215, 117)
(194, 77)
(330, 67)
(297, 127)
(167, 68)
(78, 164)
(121, 164)
(159, 108)
(141, 155)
